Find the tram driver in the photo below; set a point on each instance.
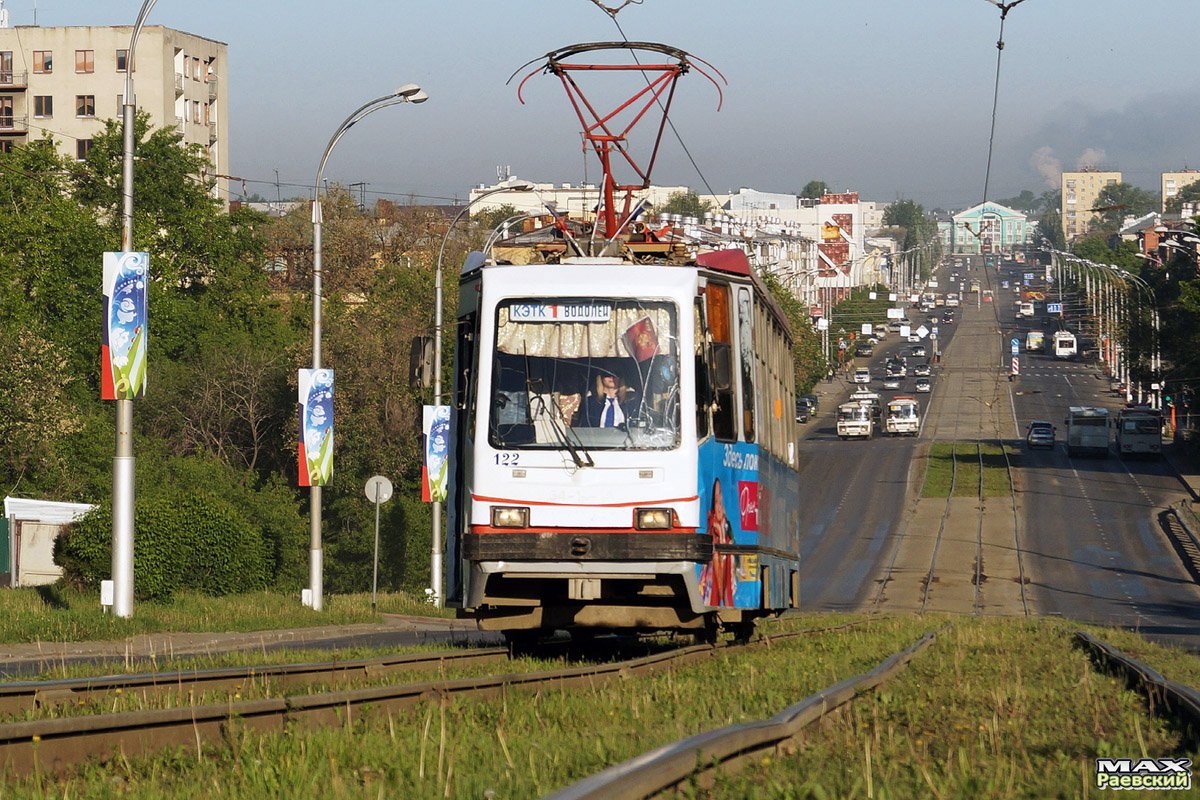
(611, 402)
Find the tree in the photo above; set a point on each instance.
(688, 204)
(492, 218)
(1025, 201)
(1119, 200)
(1050, 230)
(919, 233)
(815, 189)
(808, 360)
(1190, 193)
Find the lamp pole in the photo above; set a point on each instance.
(435, 556)
(409, 93)
(123, 461)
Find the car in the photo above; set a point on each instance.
(873, 340)
(813, 401)
(865, 351)
(1040, 433)
(802, 412)
(913, 338)
(919, 351)
(862, 375)
(923, 385)
(947, 319)
(921, 370)
(891, 382)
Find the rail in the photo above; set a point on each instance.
(1181, 700)
(51, 745)
(23, 696)
(665, 767)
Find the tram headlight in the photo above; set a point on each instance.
(653, 519)
(510, 517)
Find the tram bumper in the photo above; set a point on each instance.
(507, 595)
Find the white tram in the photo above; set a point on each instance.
(620, 452)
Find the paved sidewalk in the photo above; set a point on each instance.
(31, 658)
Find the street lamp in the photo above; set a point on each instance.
(435, 560)
(123, 461)
(409, 93)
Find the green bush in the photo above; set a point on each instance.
(188, 542)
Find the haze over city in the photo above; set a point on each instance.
(889, 99)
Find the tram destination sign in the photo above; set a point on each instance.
(560, 312)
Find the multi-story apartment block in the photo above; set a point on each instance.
(1080, 191)
(1172, 182)
(67, 81)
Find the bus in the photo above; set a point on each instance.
(1065, 346)
(1139, 431)
(903, 416)
(855, 420)
(1087, 431)
(1035, 342)
(619, 456)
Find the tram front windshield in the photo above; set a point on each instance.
(591, 373)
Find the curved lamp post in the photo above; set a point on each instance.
(435, 559)
(409, 93)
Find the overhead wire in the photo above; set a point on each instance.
(1004, 9)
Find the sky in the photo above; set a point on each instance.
(889, 98)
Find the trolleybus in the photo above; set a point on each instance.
(1139, 431)
(1064, 345)
(1087, 431)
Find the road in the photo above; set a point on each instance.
(1084, 539)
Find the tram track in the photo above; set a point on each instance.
(965, 417)
(56, 743)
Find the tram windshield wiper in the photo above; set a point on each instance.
(538, 407)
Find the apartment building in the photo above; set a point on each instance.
(1080, 191)
(1173, 182)
(67, 81)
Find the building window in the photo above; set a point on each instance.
(43, 60)
(6, 112)
(6, 72)
(122, 60)
(82, 148)
(85, 105)
(85, 60)
(43, 105)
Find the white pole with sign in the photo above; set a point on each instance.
(378, 490)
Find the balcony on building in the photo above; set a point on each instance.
(13, 81)
(11, 125)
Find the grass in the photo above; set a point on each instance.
(996, 481)
(939, 470)
(58, 614)
(966, 478)
(958, 463)
(996, 708)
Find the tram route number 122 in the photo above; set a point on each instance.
(507, 459)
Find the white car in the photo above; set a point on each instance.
(923, 385)
(914, 338)
(891, 382)
(862, 376)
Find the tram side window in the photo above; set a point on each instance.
(720, 364)
(746, 351)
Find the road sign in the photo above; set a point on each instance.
(378, 489)
(922, 331)
(1053, 308)
(1004, 284)
(1028, 276)
(934, 331)
(1015, 345)
(1016, 366)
